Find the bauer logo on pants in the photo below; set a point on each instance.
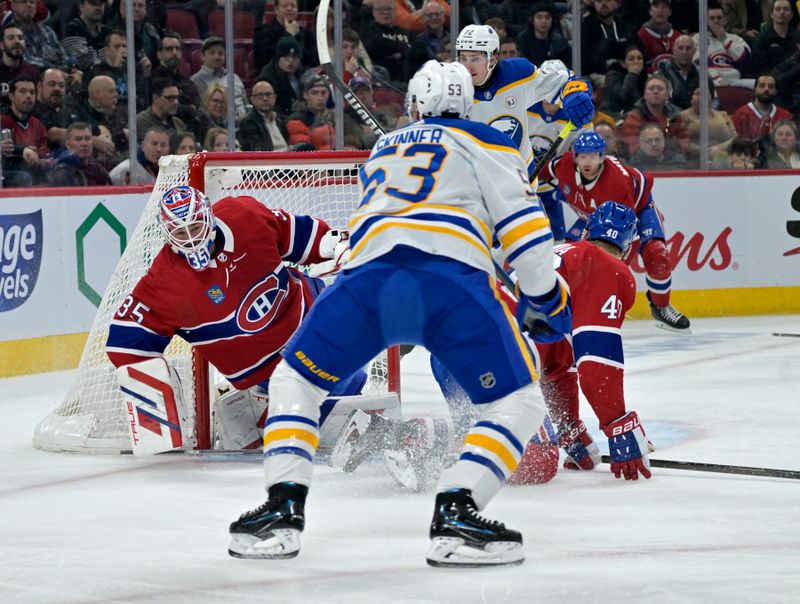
(20, 257)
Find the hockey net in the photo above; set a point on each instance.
(92, 418)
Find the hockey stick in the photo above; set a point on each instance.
(330, 71)
(551, 151)
(720, 468)
(786, 335)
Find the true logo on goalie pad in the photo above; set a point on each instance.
(147, 415)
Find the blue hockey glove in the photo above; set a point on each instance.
(627, 444)
(548, 317)
(576, 100)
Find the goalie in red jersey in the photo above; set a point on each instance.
(587, 177)
(220, 283)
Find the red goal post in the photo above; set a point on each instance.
(322, 184)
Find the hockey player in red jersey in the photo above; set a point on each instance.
(221, 283)
(587, 177)
(602, 290)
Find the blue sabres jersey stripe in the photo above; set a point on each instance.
(532, 209)
(463, 223)
(134, 337)
(487, 463)
(291, 418)
(505, 432)
(598, 344)
(532, 243)
(290, 451)
(507, 72)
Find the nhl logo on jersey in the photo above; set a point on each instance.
(215, 294)
(488, 380)
(511, 102)
(487, 95)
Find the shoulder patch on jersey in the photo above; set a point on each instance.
(216, 295)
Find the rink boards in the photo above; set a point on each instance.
(734, 242)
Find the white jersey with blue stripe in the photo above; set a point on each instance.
(453, 188)
(543, 129)
(515, 85)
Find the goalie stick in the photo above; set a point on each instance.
(325, 61)
(719, 468)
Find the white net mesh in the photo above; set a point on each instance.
(92, 418)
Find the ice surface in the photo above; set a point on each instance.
(118, 529)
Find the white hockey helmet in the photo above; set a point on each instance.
(440, 88)
(479, 38)
(187, 221)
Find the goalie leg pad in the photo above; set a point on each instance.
(291, 434)
(240, 416)
(493, 447)
(153, 400)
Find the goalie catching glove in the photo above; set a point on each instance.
(627, 444)
(547, 317)
(336, 246)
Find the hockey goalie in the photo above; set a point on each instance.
(221, 282)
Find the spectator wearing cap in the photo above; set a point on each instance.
(777, 40)
(681, 72)
(164, 99)
(728, 54)
(358, 135)
(213, 72)
(541, 41)
(283, 72)
(170, 56)
(263, 129)
(391, 46)
(657, 35)
(12, 61)
(434, 32)
(604, 37)
(86, 34)
(285, 23)
(311, 114)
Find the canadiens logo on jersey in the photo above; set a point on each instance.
(262, 303)
(216, 295)
(510, 126)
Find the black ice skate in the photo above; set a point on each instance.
(669, 318)
(272, 530)
(460, 537)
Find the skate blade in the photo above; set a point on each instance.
(279, 545)
(451, 552)
(669, 328)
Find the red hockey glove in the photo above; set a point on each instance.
(582, 452)
(627, 444)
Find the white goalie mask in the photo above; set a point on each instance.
(440, 88)
(187, 221)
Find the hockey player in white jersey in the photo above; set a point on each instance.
(505, 89)
(546, 120)
(435, 195)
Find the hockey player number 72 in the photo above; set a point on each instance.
(370, 182)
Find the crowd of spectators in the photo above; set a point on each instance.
(64, 88)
